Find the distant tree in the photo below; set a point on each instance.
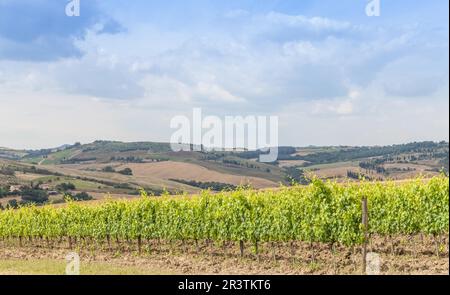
(64, 187)
(13, 204)
(108, 169)
(126, 171)
(3, 192)
(357, 176)
(353, 175)
(83, 197)
(215, 186)
(79, 197)
(8, 171)
(32, 195)
(295, 175)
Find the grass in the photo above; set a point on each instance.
(86, 185)
(79, 184)
(57, 157)
(57, 267)
(34, 160)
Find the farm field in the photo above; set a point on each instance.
(157, 166)
(252, 137)
(300, 229)
(188, 259)
(153, 211)
(178, 170)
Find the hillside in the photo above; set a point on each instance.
(122, 169)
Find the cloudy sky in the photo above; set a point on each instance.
(124, 68)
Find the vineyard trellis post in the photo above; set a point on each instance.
(241, 247)
(365, 223)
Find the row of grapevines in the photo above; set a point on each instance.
(325, 212)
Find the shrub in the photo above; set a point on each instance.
(126, 171)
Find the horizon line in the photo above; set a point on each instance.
(222, 148)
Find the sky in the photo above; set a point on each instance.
(123, 68)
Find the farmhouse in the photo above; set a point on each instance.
(14, 188)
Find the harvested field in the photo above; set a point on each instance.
(186, 171)
(291, 163)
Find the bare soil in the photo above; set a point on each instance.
(418, 255)
(187, 171)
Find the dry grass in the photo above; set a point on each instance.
(57, 267)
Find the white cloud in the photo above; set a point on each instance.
(216, 93)
(331, 82)
(393, 121)
(39, 120)
(338, 107)
(312, 23)
(414, 76)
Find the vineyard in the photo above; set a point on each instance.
(323, 212)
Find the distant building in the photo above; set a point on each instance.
(45, 187)
(14, 188)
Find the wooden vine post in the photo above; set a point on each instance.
(241, 247)
(365, 223)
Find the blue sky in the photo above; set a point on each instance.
(123, 69)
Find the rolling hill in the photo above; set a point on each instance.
(121, 168)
